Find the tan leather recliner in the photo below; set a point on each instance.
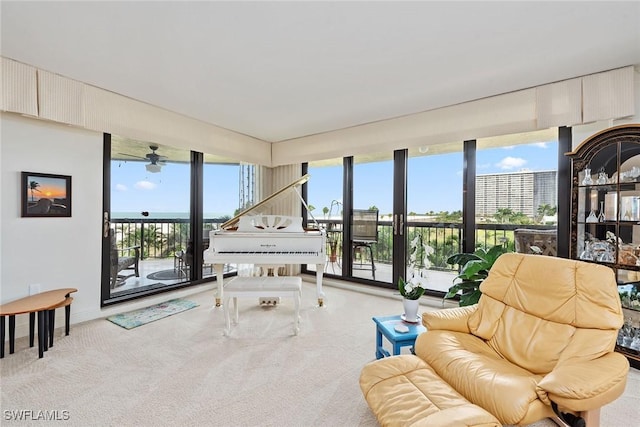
(544, 330)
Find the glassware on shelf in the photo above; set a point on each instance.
(603, 251)
(635, 341)
(592, 217)
(602, 177)
(587, 254)
(601, 217)
(587, 177)
(627, 334)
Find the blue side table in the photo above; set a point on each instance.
(386, 326)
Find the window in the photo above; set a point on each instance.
(516, 187)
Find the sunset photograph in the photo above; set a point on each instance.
(46, 195)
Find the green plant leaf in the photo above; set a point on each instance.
(461, 258)
(474, 269)
(453, 291)
(470, 298)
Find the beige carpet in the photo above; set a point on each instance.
(181, 370)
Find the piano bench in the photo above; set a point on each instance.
(260, 287)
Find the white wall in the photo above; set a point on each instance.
(54, 252)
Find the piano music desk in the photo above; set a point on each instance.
(282, 286)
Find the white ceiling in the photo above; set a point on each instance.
(280, 70)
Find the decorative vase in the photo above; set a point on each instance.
(602, 217)
(410, 310)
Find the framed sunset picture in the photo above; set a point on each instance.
(46, 195)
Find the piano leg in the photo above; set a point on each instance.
(220, 282)
(319, 272)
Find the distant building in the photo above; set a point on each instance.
(522, 191)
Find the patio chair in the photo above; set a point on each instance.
(364, 230)
(122, 259)
(544, 241)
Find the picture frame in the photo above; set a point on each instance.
(45, 195)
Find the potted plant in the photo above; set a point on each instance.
(413, 288)
(474, 269)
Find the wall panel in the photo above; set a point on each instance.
(559, 104)
(60, 99)
(608, 95)
(19, 88)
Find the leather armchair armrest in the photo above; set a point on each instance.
(585, 385)
(450, 319)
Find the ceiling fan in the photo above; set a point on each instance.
(156, 161)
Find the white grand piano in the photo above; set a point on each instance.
(255, 238)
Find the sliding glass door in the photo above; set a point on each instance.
(149, 216)
(371, 218)
(160, 204)
(325, 200)
(434, 211)
(435, 200)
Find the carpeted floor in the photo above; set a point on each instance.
(182, 371)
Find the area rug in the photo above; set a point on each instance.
(171, 274)
(140, 317)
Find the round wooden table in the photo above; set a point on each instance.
(44, 304)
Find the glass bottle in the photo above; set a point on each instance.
(587, 177)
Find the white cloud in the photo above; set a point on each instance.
(540, 144)
(509, 163)
(121, 187)
(508, 147)
(145, 185)
(483, 166)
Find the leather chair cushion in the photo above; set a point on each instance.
(534, 304)
(473, 368)
(405, 391)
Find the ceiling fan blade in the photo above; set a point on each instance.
(131, 155)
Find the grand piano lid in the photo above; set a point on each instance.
(258, 207)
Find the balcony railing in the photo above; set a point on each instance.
(161, 238)
(444, 238)
(158, 238)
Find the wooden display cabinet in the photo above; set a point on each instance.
(605, 218)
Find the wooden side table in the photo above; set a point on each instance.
(386, 326)
(44, 304)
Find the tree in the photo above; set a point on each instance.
(502, 215)
(446, 216)
(33, 186)
(519, 218)
(545, 209)
(325, 211)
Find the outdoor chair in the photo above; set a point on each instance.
(122, 259)
(544, 241)
(364, 230)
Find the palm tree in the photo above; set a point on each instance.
(503, 214)
(544, 210)
(33, 186)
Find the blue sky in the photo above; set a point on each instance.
(136, 190)
(434, 182)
